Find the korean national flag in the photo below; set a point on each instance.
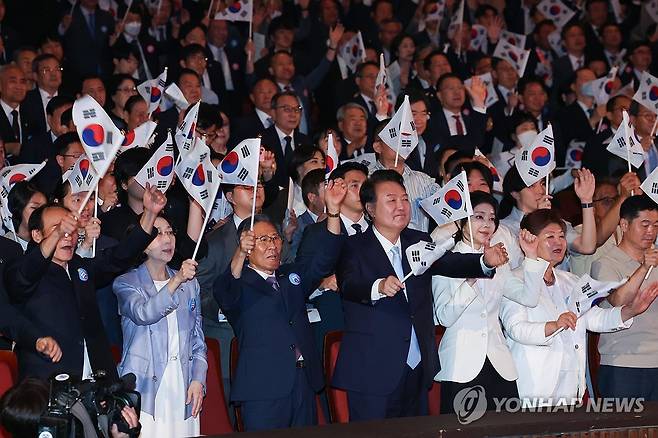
(100, 137)
(240, 166)
(516, 56)
(184, 136)
(625, 143)
(175, 95)
(152, 91)
(647, 93)
(497, 181)
(400, 132)
(604, 87)
(332, 155)
(486, 79)
(10, 175)
(198, 175)
(574, 158)
(423, 254)
(556, 11)
(82, 177)
(479, 38)
(515, 39)
(538, 159)
(586, 291)
(237, 10)
(159, 170)
(353, 52)
(452, 202)
(139, 137)
(650, 185)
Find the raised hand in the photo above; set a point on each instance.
(247, 242)
(629, 183)
(267, 164)
(334, 194)
(584, 185)
(92, 231)
(477, 91)
(68, 226)
(154, 200)
(641, 302)
(650, 257)
(528, 243)
(545, 202)
(496, 255)
(335, 35)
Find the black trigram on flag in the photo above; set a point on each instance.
(89, 178)
(4, 193)
(203, 156)
(460, 185)
(578, 306)
(108, 137)
(188, 173)
(150, 172)
(430, 246)
(413, 125)
(524, 156)
(436, 201)
(243, 174)
(654, 188)
(392, 132)
(162, 184)
(209, 176)
(89, 113)
(405, 143)
(533, 172)
(548, 140)
(245, 151)
(445, 212)
(621, 142)
(415, 256)
(98, 156)
(587, 290)
(78, 180)
(203, 194)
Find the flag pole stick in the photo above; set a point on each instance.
(125, 16)
(75, 2)
(648, 272)
(598, 128)
(653, 128)
(253, 206)
(406, 277)
(470, 232)
(397, 154)
(205, 222)
(628, 160)
(210, 8)
(93, 245)
(547, 183)
(89, 193)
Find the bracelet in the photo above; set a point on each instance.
(333, 214)
(586, 205)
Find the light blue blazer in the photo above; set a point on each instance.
(143, 311)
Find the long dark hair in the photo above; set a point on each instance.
(511, 183)
(478, 197)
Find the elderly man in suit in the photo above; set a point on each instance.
(48, 74)
(388, 354)
(260, 119)
(279, 370)
(15, 124)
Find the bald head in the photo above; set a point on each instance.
(13, 85)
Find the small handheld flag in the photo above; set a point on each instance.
(538, 159)
(159, 170)
(450, 203)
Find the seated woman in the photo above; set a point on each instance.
(548, 342)
(473, 350)
(163, 340)
(23, 199)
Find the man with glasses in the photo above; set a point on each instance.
(643, 120)
(15, 124)
(279, 368)
(366, 76)
(283, 137)
(48, 74)
(194, 58)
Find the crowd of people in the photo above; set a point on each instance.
(317, 246)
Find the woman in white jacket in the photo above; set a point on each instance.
(473, 350)
(548, 341)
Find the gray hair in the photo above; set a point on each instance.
(340, 114)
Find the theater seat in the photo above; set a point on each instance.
(116, 353)
(214, 416)
(435, 391)
(593, 360)
(8, 377)
(338, 407)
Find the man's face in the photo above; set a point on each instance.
(354, 180)
(354, 124)
(605, 196)
(96, 89)
(616, 115)
(127, 66)
(54, 120)
(421, 115)
(13, 85)
(138, 114)
(611, 37)
(191, 87)
(54, 48)
(197, 62)
(582, 77)
(598, 13)
(483, 66)
(534, 98)
(542, 36)
(282, 67)
(49, 74)
(218, 33)
(70, 156)
(366, 80)
(391, 209)
(506, 75)
(266, 255)
(388, 32)
(641, 231)
(643, 121)
(24, 61)
(574, 40)
(641, 58)
(283, 38)
(383, 11)
(241, 198)
(66, 244)
(195, 36)
(439, 66)
(452, 94)
(287, 113)
(262, 95)
(329, 12)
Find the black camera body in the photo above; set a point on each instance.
(77, 408)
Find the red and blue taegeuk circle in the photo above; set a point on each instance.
(17, 177)
(609, 86)
(93, 135)
(84, 167)
(653, 93)
(494, 173)
(129, 138)
(554, 10)
(155, 94)
(235, 7)
(541, 156)
(230, 163)
(330, 164)
(165, 165)
(576, 155)
(453, 198)
(199, 177)
(513, 56)
(190, 133)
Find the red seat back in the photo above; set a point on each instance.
(8, 377)
(338, 405)
(593, 360)
(214, 416)
(435, 391)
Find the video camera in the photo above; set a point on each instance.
(88, 408)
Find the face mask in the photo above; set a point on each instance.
(133, 28)
(588, 89)
(526, 138)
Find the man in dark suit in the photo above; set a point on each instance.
(260, 118)
(15, 124)
(284, 137)
(225, 66)
(577, 57)
(48, 74)
(388, 359)
(313, 196)
(365, 78)
(51, 276)
(143, 45)
(279, 370)
(506, 79)
(458, 124)
(353, 125)
(639, 61)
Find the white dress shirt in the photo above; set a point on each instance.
(282, 139)
(45, 98)
(219, 55)
(347, 222)
(264, 118)
(7, 109)
(576, 62)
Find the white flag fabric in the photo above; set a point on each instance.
(400, 132)
(538, 159)
(198, 175)
(556, 11)
(516, 56)
(100, 137)
(604, 87)
(367, 159)
(384, 80)
(456, 22)
(652, 9)
(353, 52)
(555, 41)
(184, 136)
(497, 182)
(479, 38)
(650, 185)
(423, 254)
(240, 166)
(82, 176)
(159, 170)
(450, 203)
(574, 158)
(435, 11)
(616, 9)
(586, 291)
(486, 79)
(221, 209)
(152, 91)
(10, 175)
(647, 93)
(332, 156)
(625, 143)
(175, 95)
(237, 10)
(138, 137)
(515, 39)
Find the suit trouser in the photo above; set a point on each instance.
(223, 332)
(629, 382)
(409, 399)
(296, 410)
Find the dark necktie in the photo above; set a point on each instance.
(590, 112)
(91, 22)
(270, 122)
(458, 124)
(271, 280)
(373, 107)
(357, 228)
(288, 148)
(15, 126)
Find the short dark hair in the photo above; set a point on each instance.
(209, 116)
(127, 165)
(258, 218)
(280, 94)
(22, 49)
(367, 194)
(483, 9)
(610, 104)
(191, 50)
(632, 206)
(301, 155)
(132, 101)
(62, 142)
(57, 102)
(311, 184)
(521, 117)
(22, 405)
(36, 218)
(525, 82)
(124, 51)
(427, 62)
(187, 71)
(19, 196)
(263, 79)
(280, 52)
(415, 96)
(363, 65)
(536, 221)
(470, 167)
(343, 168)
(41, 58)
(444, 77)
(567, 27)
(189, 27)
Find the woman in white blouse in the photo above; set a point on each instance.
(548, 341)
(473, 350)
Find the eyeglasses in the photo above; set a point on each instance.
(608, 200)
(208, 135)
(290, 109)
(48, 70)
(265, 241)
(127, 89)
(76, 156)
(420, 113)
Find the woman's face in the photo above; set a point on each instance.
(483, 223)
(406, 50)
(37, 200)
(552, 244)
(324, 141)
(162, 247)
(477, 182)
(529, 199)
(125, 90)
(316, 162)
(223, 133)
(73, 203)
